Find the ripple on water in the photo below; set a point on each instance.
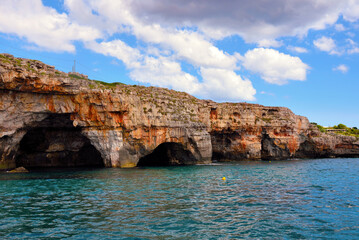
(281, 200)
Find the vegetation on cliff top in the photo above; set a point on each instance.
(105, 84)
(320, 127)
(339, 129)
(354, 131)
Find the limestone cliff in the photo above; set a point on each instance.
(50, 118)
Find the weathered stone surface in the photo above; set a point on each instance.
(168, 154)
(125, 123)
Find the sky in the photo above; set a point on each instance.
(300, 54)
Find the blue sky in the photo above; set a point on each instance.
(301, 54)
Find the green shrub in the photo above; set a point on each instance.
(320, 127)
(5, 59)
(75, 76)
(106, 84)
(340, 126)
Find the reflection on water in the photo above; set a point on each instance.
(284, 199)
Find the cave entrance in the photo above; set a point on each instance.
(168, 154)
(56, 143)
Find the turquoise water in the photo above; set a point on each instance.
(303, 199)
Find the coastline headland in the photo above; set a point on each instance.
(49, 118)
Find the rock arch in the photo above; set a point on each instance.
(55, 142)
(168, 154)
(175, 146)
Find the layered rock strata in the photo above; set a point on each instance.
(51, 118)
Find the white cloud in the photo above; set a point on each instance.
(217, 83)
(353, 50)
(352, 47)
(42, 25)
(188, 45)
(253, 20)
(297, 49)
(260, 21)
(119, 49)
(270, 43)
(326, 44)
(350, 34)
(158, 63)
(168, 33)
(158, 71)
(350, 42)
(267, 93)
(275, 67)
(163, 72)
(351, 11)
(329, 45)
(339, 27)
(342, 68)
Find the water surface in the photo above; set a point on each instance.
(303, 199)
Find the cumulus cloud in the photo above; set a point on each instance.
(163, 72)
(217, 83)
(42, 25)
(342, 68)
(168, 33)
(275, 67)
(326, 44)
(158, 64)
(189, 46)
(157, 71)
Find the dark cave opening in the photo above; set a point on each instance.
(56, 143)
(168, 154)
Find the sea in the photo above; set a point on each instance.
(294, 199)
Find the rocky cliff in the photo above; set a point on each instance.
(50, 118)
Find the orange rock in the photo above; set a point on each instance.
(125, 123)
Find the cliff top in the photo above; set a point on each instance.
(158, 104)
(34, 68)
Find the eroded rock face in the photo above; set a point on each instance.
(168, 154)
(55, 142)
(123, 123)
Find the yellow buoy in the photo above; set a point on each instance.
(224, 178)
